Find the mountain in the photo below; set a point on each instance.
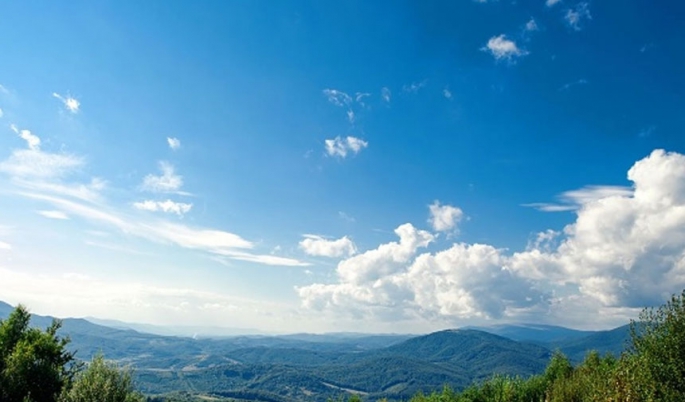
(177, 330)
(613, 341)
(5, 309)
(534, 332)
(319, 367)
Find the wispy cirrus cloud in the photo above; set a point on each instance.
(336, 97)
(342, 147)
(502, 48)
(70, 103)
(551, 3)
(574, 199)
(575, 16)
(386, 94)
(59, 215)
(212, 241)
(414, 87)
(569, 85)
(32, 162)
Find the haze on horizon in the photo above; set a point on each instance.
(306, 166)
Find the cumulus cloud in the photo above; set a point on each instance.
(575, 16)
(69, 102)
(447, 93)
(624, 250)
(502, 48)
(168, 206)
(463, 281)
(173, 142)
(54, 215)
(337, 97)
(322, 247)
(167, 182)
(531, 25)
(444, 218)
(341, 147)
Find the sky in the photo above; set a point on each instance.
(312, 166)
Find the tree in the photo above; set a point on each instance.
(103, 381)
(657, 352)
(34, 365)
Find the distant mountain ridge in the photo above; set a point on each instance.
(322, 366)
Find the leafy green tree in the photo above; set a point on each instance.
(35, 365)
(656, 361)
(103, 381)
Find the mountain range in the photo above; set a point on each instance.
(323, 366)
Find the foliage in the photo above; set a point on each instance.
(104, 382)
(34, 365)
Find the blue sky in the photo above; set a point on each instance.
(333, 166)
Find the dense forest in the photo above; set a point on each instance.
(36, 366)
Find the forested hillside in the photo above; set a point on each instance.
(318, 367)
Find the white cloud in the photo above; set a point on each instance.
(386, 94)
(444, 218)
(2, 114)
(32, 141)
(575, 199)
(319, 246)
(38, 164)
(447, 93)
(54, 215)
(4, 90)
(574, 17)
(502, 48)
(167, 206)
(34, 163)
(265, 259)
(174, 143)
(70, 103)
(624, 251)
(392, 281)
(414, 87)
(550, 3)
(213, 241)
(337, 98)
(167, 182)
(359, 97)
(350, 116)
(346, 217)
(574, 83)
(341, 147)
(531, 25)
(5, 246)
